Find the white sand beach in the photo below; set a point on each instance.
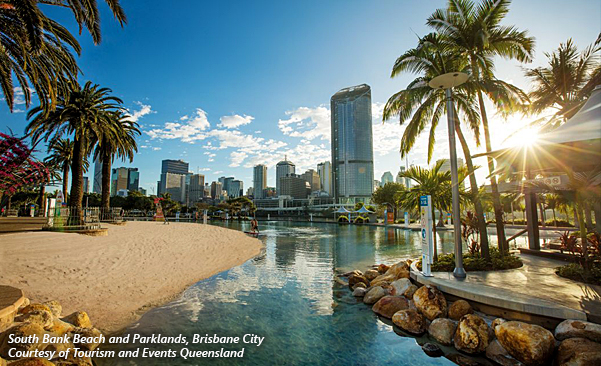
(116, 278)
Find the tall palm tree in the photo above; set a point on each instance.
(566, 82)
(82, 113)
(424, 106)
(476, 32)
(117, 140)
(61, 156)
(36, 50)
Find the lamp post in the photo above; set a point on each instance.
(447, 82)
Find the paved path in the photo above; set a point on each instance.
(533, 288)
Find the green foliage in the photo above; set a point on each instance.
(576, 272)
(475, 262)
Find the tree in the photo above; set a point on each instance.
(61, 156)
(476, 33)
(116, 139)
(36, 50)
(388, 194)
(566, 82)
(82, 113)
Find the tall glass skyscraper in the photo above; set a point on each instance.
(282, 169)
(352, 145)
(259, 180)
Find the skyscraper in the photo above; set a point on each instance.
(295, 186)
(312, 177)
(236, 188)
(386, 178)
(133, 179)
(352, 145)
(282, 169)
(215, 190)
(119, 180)
(97, 184)
(179, 167)
(86, 185)
(259, 180)
(325, 176)
(197, 188)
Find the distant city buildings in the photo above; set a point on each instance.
(97, 187)
(312, 177)
(405, 181)
(236, 188)
(283, 169)
(325, 176)
(216, 188)
(352, 145)
(175, 179)
(124, 179)
(197, 188)
(386, 178)
(294, 186)
(259, 181)
(86, 185)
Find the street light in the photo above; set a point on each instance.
(447, 82)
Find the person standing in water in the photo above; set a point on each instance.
(254, 226)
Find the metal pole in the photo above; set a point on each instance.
(459, 272)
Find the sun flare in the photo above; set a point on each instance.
(523, 137)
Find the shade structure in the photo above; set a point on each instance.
(573, 146)
(363, 210)
(342, 210)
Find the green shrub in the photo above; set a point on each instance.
(576, 272)
(474, 262)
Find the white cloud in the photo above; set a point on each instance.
(156, 148)
(307, 123)
(189, 130)
(237, 157)
(235, 121)
(144, 110)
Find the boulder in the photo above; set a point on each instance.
(2, 362)
(359, 292)
(497, 321)
(578, 329)
(410, 321)
(371, 274)
(498, 354)
(22, 330)
(359, 284)
(472, 335)
(399, 286)
(383, 279)
(430, 302)
(374, 294)
(34, 307)
(32, 362)
(462, 360)
(79, 319)
(55, 307)
(60, 327)
(460, 308)
(354, 272)
(84, 361)
(87, 334)
(442, 330)
(410, 291)
(578, 352)
(355, 278)
(528, 343)
(388, 305)
(43, 318)
(382, 268)
(432, 350)
(400, 270)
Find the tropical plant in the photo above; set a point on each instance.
(61, 156)
(36, 50)
(565, 83)
(476, 33)
(116, 139)
(83, 114)
(388, 195)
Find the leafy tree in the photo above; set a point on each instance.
(476, 32)
(61, 156)
(388, 194)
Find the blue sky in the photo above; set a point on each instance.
(226, 85)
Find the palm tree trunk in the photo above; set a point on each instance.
(105, 202)
(42, 200)
(65, 181)
(542, 214)
(588, 216)
(597, 210)
(484, 247)
(554, 217)
(77, 181)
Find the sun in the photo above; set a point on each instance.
(523, 137)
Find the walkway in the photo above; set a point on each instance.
(533, 289)
(11, 299)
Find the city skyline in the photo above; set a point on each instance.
(209, 109)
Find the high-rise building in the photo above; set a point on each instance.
(295, 186)
(133, 179)
(86, 185)
(386, 178)
(446, 167)
(197, 188)
(97, 187)
(207, 190)
(312, 177)
(259, 180)
(236, 188)
(352, 145)
(405, 181)
(175, 185)
(119, 179)
(282, 169)
(216, 189)
(250, 192)
(142, 190)
(173, 167)
(325, 176)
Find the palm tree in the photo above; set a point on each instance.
(476, 32)
(117, 139)
(82, 113)
(36, 50)
(566, 82)
(424, 106)
(61, 156)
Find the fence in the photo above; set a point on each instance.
(74, 218)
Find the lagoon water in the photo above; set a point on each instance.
(290, 297)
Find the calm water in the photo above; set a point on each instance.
(289, 296)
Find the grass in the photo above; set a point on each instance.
(575, 271)
(474, 262)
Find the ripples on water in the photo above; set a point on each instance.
(288, 295)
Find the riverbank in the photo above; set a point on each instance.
(116, 278)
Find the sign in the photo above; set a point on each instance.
(158, 216)
(390, 217)
(425, 205)
(60, 198)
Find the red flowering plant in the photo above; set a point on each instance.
(18, 168)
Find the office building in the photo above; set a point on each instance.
(133, 179)
(236, 188)
(282, 169)
(97, 184)
(179, 167)
(197, 188)
(250, 192)
(216, 188)
(119, 179)
(207, 190)
(175, 185)
(325, 176)
(312, 177)
(294, 186)
(405, 181)
(352, 145)
(86, 185)
(259, 180)
(386, 178)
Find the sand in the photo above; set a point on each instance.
(116, 278)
